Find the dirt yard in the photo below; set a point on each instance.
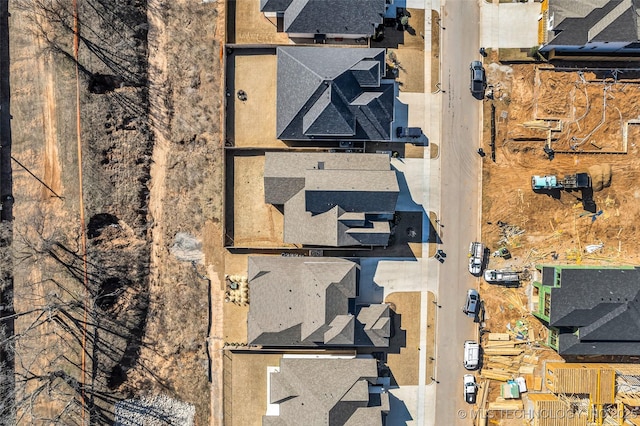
(255, 223)
(247, 387)
(403, 360)
(254, 120)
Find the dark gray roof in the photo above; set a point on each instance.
(302, 301)
(367, 73)
(326, 391)
(603, 305)
(577, 23)
(548, 276)
(357, 17)
(332, 199)
(333, 93)
(274, 5)
(329, 108)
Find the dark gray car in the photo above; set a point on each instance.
(478, 80)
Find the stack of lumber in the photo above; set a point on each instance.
(502, 351)
(503, 404)
(533, 382)
(526, 369)
(498, 375)
(503, 358)
(499, 337)
(501, 344)
(501, 368)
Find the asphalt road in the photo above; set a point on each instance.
(460, 196)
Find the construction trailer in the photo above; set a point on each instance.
(503, 276)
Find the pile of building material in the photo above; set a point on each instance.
(510, 361)
(502, 404)
(504, 358)
(237, 290)
(508, 233)
(510, 390)
(520, 331)
(499, 357)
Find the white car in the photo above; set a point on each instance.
(470, 388)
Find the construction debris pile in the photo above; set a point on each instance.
(600, 176)
(508, 233)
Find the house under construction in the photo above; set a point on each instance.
(587, 394)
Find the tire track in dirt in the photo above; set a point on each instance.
(157, 40)
(51, 159)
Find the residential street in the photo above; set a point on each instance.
(460, 195)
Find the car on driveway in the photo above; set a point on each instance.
(472, 303)
(478, 80)
(470, 388)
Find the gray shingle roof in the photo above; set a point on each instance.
(298, 301)
(332, 199)
(329, 108)
(371, 191)
(577, 23)
(333, 93)
(341, 332)
(358, 17)
(604, 305)
(274, 5)
(376, 324)
(326, 391)
(297, 294)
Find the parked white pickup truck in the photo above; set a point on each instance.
(476, 258)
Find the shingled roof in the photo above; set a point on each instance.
(333, 93)
(301, 301)
(326, 391)
(603, 305)
(332, 17)
(577, 23)
(332, 199)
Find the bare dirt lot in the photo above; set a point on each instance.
(588, 117)
(150, 119)
(594, 114)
